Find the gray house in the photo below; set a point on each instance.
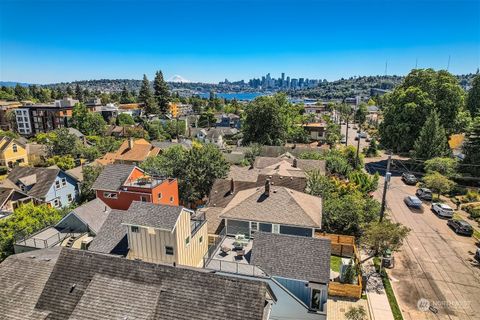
(273, 209)
(300, 264)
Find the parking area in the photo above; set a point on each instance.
(435, 267)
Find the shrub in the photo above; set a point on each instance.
(472, 196)
(3, 170)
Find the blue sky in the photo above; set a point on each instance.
(44, 41)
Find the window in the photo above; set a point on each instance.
(57, 184)
(169, 251)
(69, 197)
(21, 125)
(187, 240)
(171, 199)
(14, 147)
(143, 198)
(134, 229)
(200, 240)
(159, 195)
(64, 182)
(110, 195)
(57, 203)
(275, 228)
(253, 226)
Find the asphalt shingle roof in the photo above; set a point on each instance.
(282, 206)
(293, 257)
(45, 177)
(153, 215)
(94, 213)
(79, 284)
(113, 176)
(111, 238)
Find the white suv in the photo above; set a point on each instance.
(442, 210)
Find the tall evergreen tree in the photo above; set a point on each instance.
(145, 96)
(471, 149)
(162, 93)
(473, 98)
(125, 96)
(78, 93)
(432, 141)
(69, 91)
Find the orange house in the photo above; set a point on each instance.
(118, 185)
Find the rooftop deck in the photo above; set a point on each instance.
(46, 238)
(146, 182)
(228, 258)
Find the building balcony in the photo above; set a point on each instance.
(144, 182)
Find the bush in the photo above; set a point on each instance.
(3, 170)
(472, 196)
(473, 210)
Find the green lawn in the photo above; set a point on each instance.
(335, 263)
(397, 314)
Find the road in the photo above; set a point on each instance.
(351, 136)
(434, 263)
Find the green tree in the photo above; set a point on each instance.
(89, 123)
(365, 182)
(356, 313)
(432, 141)
(21, 92)
(318, 184)
(271, 120)
(332, 134)
(380, 236)
(161, 92)
(125, 119)
(62, 143)
(126, 96)
(69, 91)
(65, 162)
(438, 182)
(471, 149)
(361, 114)
(444, 166)
(78, 93)
(207, 119)
(25, 220)
(372, 150)
(90, 174)
(349, 274)
(473, 98)
(145, 96)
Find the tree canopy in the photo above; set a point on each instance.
(471, 149)
(88, 123)
(145, 96)
(473, 98)
(432, 140)
(161, 92)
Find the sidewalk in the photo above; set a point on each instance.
(377, 298)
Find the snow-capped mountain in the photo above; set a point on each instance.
(178, 79)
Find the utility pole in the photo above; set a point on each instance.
(385, 187)
(346, 134)
(358, 149)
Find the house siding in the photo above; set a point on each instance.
(62, 193)
(10, 158)
(151, 247)
(190, 254)
(243, 227)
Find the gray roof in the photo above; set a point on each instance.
(293, 257)
(153, 215)
(76, 133)
(187, 144)
(93, 213)
(112, 236)
(283, 206)
(5, 194)
(76, 172)
(44, 177)
(86, 285)
(303, 164)
(113, 176)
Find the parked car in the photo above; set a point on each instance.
(424, 194)
(357, 136)
(363, 135)
(477, 255)
(368, 139)
(409, 178)
(442, 210)
(343, 140)
(460, 227)
(413, 202)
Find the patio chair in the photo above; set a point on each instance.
(240, 254)
(225, 250)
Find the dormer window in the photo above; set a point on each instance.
(14, 147)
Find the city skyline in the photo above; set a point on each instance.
(215, 39)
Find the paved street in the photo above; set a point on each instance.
(434, 264)
(351, 136)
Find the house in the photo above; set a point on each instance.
(12, 152)
(126, 131)
(154, 233)
(10, 199)
(118, 185)
(49, 185)
(316, 130)
(37, 153)
(300, 264)
(213, 135)
(134, 109)
(229, 120)
(130, 152)
(273, 209)
(80, 136)
(75, 230)
(63, 283)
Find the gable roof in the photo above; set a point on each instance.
(112, 236)
(79, 284)
(153, 215)
(282, 206)
(44, 177)
(5, 141)
(93, 213)
(113, 176)
(293, 257)
(303, 164)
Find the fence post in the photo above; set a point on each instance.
(34, 243)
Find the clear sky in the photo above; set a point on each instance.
(45, 41)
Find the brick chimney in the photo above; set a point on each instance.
(267, 188)
(294, 164)
(130, 143)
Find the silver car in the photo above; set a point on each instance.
(442, 210)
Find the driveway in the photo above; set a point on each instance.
(434, 264)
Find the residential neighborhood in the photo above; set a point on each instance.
(300, 174)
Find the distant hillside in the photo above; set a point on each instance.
(13, 84)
